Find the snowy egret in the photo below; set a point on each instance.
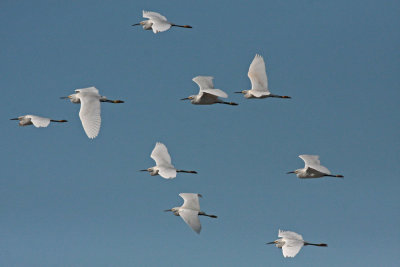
(157, 22)
(259, 80)
(76, 100)
(190, 211)
(207, 94)
(90, 109)
(37, 121)
(163, 167)
(313, 168)
(291, 243)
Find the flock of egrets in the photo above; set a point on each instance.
(89, 114)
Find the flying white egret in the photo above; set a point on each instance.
(207, 94)
(163, 167)
(37, 121)
(90, 109)
(313, 168)
(157, 22)
(259, 80)
(190, 211)
(74, 99)
(291, 243)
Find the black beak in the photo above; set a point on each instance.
(270, 243)
(237, 92)
(186, 98)
(14, 119)
(143, 170)
(64, 97)
(290, 172)
(136, 24)
(167, 210)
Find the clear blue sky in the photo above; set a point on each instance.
(70, 201)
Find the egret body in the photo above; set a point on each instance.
(313, 168)
(259, 81)
(291, 243)
(36, 121)
(74, 99)
(163, 167)
(90, 99)
(190, 211)
(157, 22)
(207, 94)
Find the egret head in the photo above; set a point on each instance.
(278, 243)
(242, 92)
(137, 24)
(188, 98)
(174, 210)
(73, 98)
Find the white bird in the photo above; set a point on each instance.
(207, 94)
(90, 109)
(259, 80)
(190, 211)
(37, 121)
(291, 243)
(163, 167)
(74, 99)
(157, 22)
(313, 168)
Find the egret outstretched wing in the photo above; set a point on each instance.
(160, 23)
(204, 82)
(258, 75)
(312, 161)
(167, 172)
(160, 26)
(191, 218)
(293, 243)
(206, 86)
(289, 234)
(38, 121)
(291, 247)
(87, 90)
(215, 92)
(160, 155)
(153, 16)
(90, 113)
(190, 201)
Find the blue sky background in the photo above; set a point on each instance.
(70, 201)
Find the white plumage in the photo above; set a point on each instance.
(34, 120)
(163, 167)
(163, 161)
(90, 110)
(206, 85)
(258, 77)
(259, 80)
(207, 93)
(190, 211)
(312, 161)
(157, 22)
(291, 243)
(313, 168)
